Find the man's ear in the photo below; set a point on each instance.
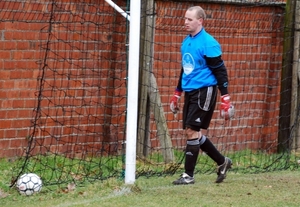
(200, 20)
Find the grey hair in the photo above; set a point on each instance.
(199, 11)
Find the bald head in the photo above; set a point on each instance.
(200, 13)
(194, 17)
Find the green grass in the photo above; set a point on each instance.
(266, 189)
(55, 168)
(276, 189)
(248, 184)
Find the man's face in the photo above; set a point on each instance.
(192, 24)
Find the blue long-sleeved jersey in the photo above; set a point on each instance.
(202, 65)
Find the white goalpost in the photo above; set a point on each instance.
(133, 81)
(118, 9)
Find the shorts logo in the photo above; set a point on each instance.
(198, 120)
(189, 153)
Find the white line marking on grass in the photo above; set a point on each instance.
(116, 193)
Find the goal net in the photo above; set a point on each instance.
(78, 127)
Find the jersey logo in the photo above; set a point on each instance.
(188, 63)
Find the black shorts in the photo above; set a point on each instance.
(199, 106)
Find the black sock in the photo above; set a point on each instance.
(211, 150)
(191, 155)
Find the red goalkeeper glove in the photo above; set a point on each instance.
(226, 110)
(174, 101)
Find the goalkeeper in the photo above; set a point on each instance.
(203, 73)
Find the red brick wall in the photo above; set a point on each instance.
(62, 60)
(252, 46)
(19, 52)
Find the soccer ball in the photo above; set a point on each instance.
(29, 184)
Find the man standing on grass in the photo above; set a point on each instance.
(203, 72)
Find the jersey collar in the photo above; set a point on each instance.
(197, 33)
